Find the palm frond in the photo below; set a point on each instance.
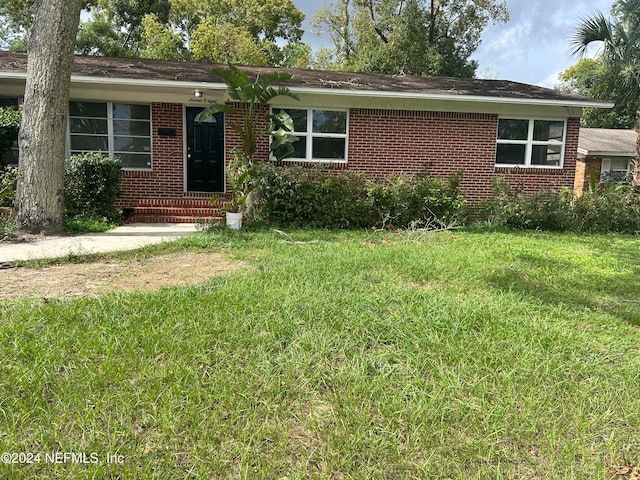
(243, 93)
(282, 144)
(212, 110)
(271, 93)
(590, 29)
(232, 76)
(269, 78)
(284, 119)
(627, 8)
(629, 76)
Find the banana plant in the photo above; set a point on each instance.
(255, 96)
(239, 180)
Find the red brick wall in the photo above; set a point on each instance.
(232, 138)
(381, 142)
(384, 142)
(584, 166)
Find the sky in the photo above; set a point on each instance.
(533, 47)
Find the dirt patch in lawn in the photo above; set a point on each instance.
(77, 279)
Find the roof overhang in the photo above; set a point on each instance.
(180, 85)
(453, 97)
(605, 153)
(75, 79)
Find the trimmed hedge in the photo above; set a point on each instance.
(92, 183)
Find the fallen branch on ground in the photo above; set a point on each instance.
(291, 240)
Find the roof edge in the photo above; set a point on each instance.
(604, 153)
(459, 98)
(335, 91)
(128, 81)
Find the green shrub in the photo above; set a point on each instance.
(92, 183)
(544, 210)
(8, 181)
(9, 125)
(313, 197)
(404, 200)
(606, 208)
(609, 208)
(8, 228)
(316, 197)
(343, 201)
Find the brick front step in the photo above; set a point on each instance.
(178, 210)
(172, 219)
(181, 202)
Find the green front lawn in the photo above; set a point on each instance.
(356, 356)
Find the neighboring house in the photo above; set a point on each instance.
(605, 153)
(144, 112)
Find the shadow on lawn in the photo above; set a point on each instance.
(606, 278)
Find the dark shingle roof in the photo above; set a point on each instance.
(181, 71)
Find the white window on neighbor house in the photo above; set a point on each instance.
(322, 134)
(616, 169)
(531, 143)
(119, 130)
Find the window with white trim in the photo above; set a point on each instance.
(322, 134)
(616, 170)
(120, 130)
(530, 143)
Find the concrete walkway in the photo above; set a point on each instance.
(126, 237)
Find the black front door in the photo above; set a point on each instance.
(205, 152)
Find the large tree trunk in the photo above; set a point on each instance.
(40, 192)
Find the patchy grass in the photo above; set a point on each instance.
(89, 224)
(355, 355)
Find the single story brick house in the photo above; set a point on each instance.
(608, 153)
(144, 112)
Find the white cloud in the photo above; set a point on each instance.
(533, 47)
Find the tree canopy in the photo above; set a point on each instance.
(261, 32)
(620, 55)
(420, 37)
(592, 77)
(619, 75)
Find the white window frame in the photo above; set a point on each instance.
(606, 167)
(530, 143)
(310, 135)
(110, 132)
